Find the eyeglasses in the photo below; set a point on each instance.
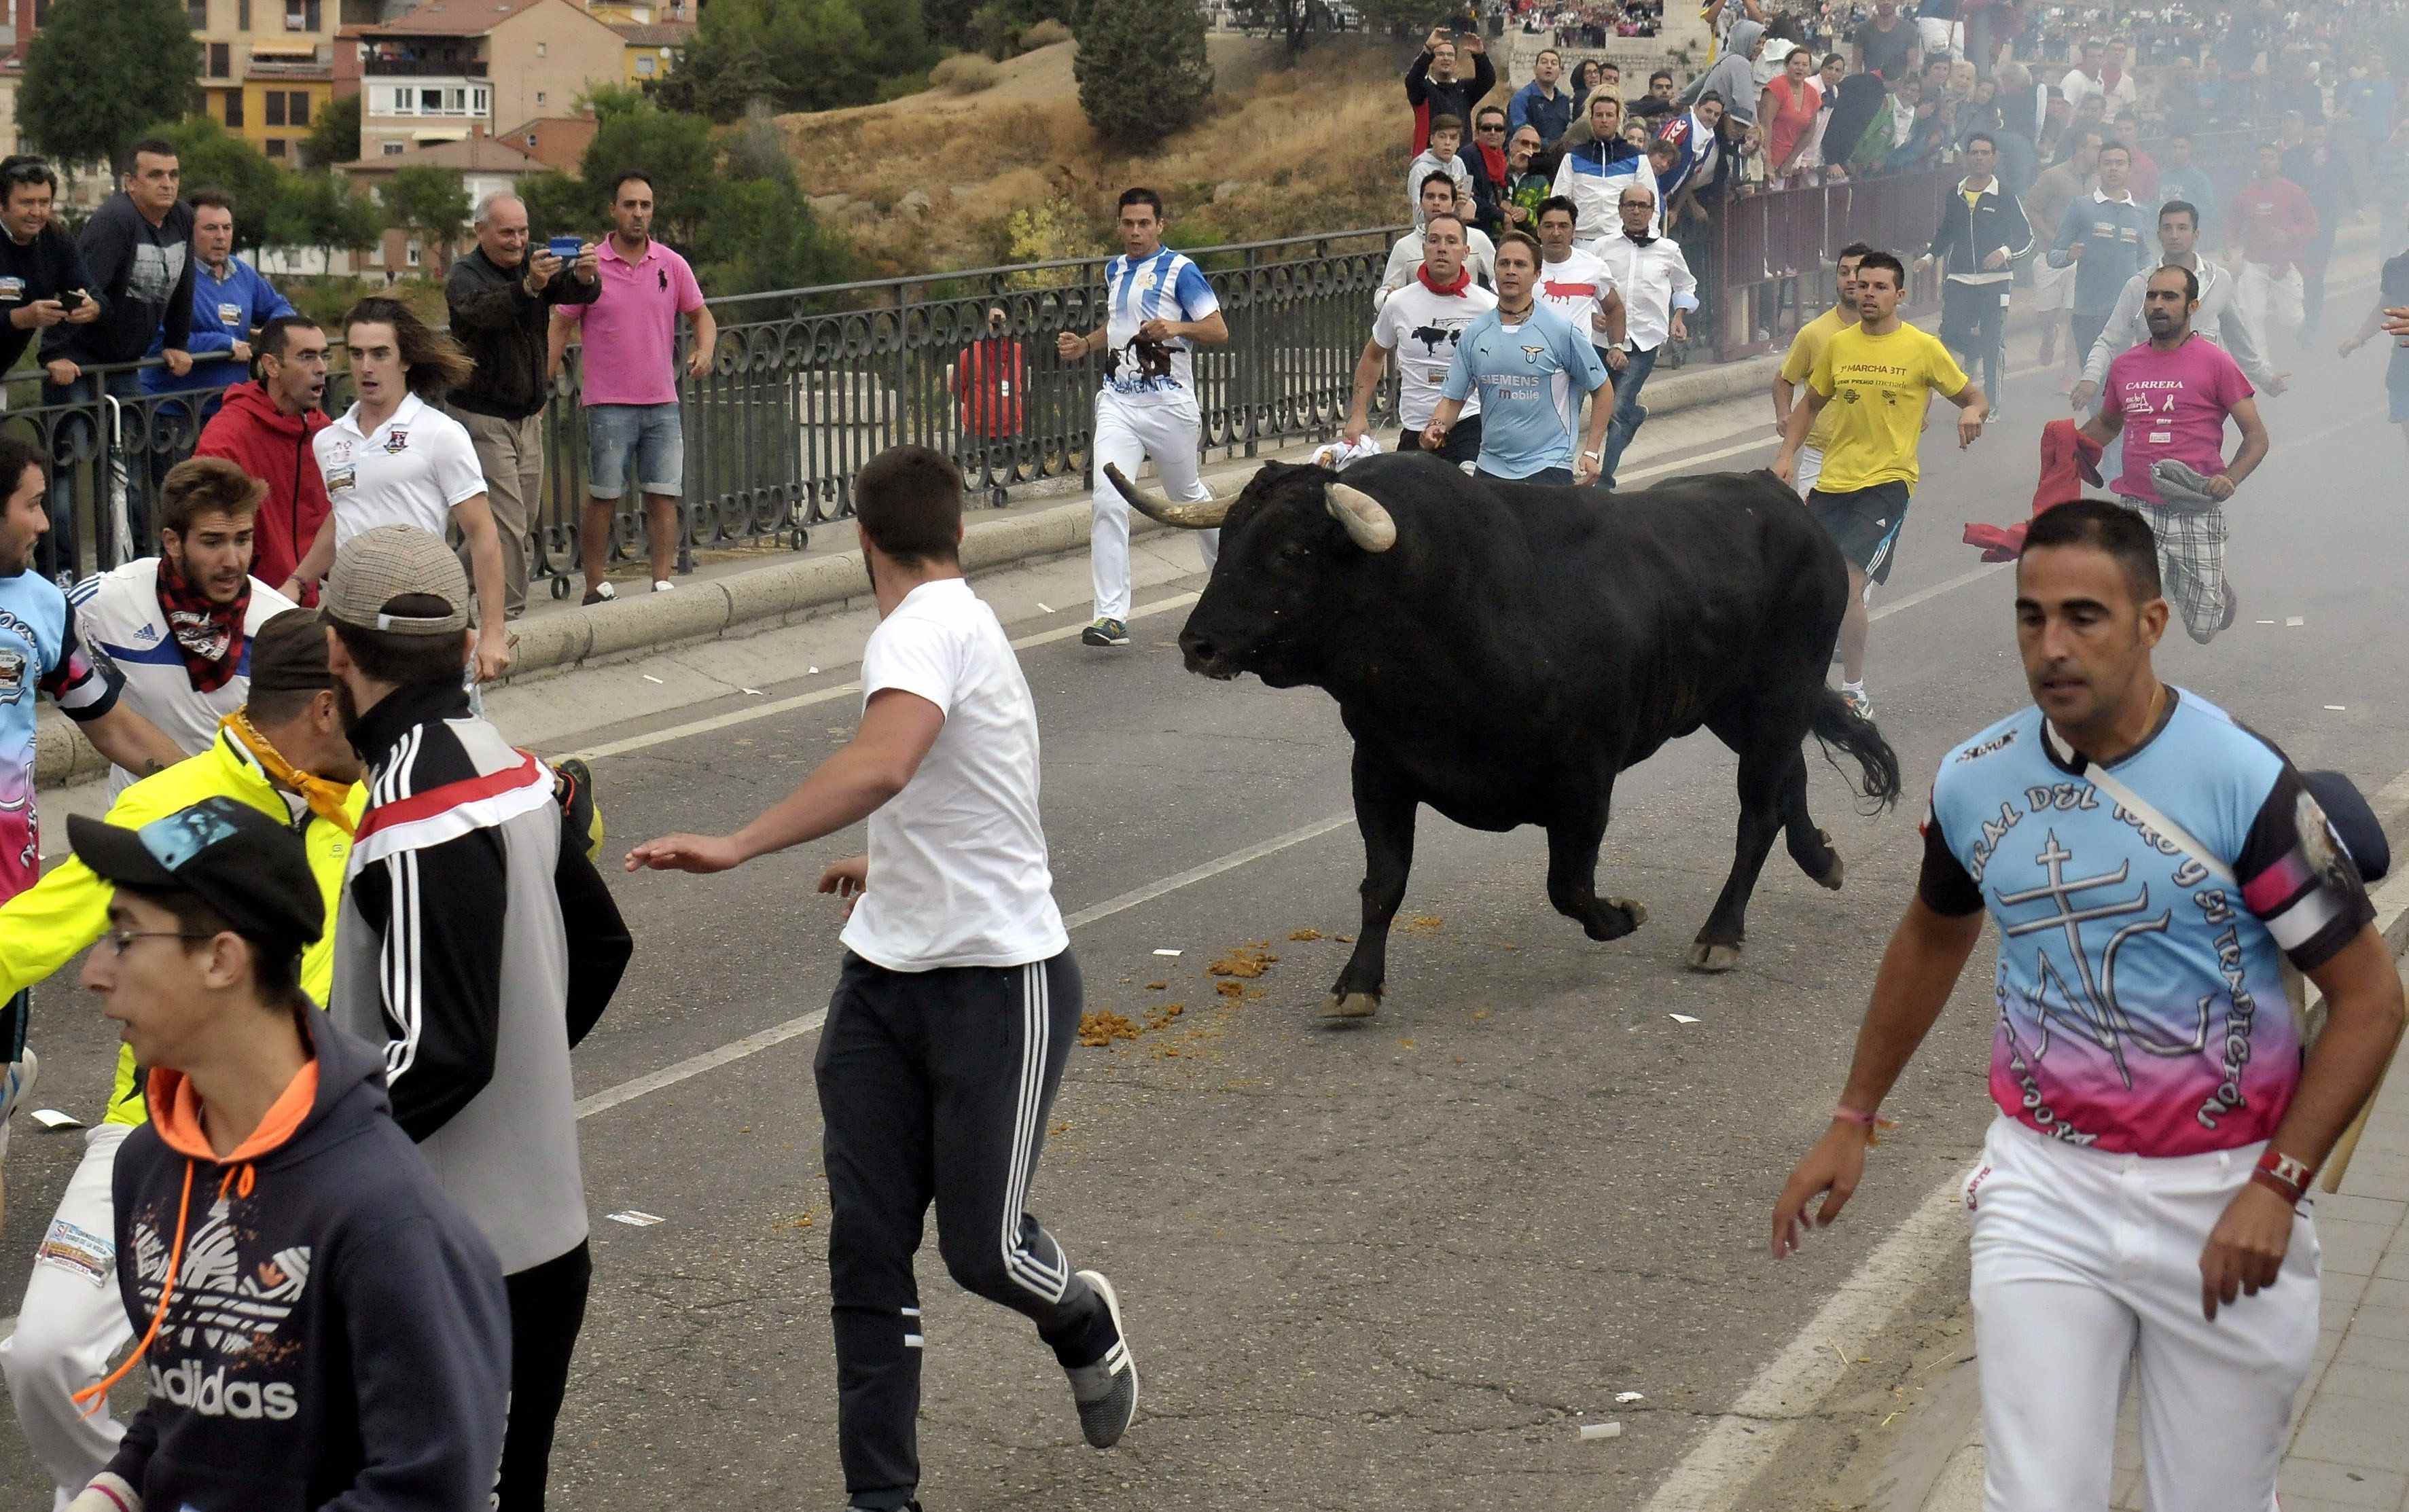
(1487, 130)
(119, 941)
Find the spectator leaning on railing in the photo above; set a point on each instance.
(230, 300)
(42, 278)
(137, 248)
(266, 428)
(1433, 88)
(501, 297)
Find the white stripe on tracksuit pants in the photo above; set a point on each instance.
(1129, 428)
(935, 1088)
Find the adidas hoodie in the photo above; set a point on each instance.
(336, 1332)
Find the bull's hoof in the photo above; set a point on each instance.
(1711, 958)
(1351, 1005)
(1617, 917)
(1832, 874)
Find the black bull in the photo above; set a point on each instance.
(1500, 652)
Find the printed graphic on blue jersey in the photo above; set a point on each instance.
(1166, 287)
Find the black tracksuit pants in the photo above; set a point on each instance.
(935, 1087)
(547, 1311)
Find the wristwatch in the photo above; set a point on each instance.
(1595, 456)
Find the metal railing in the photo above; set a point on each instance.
(807, 386)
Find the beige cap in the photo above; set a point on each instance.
(393, 561)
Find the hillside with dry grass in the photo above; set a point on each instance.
(1012, 173)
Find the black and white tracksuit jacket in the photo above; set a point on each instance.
(476, 943)
(1968, 233)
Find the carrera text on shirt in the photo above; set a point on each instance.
(1165, 286)
(2142, 1003)
(2175, 404)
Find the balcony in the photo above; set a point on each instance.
(319, 64)
(375, 67)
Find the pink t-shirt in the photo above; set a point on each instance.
(631, 326)
(2174, 405)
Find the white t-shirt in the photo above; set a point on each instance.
(119, 618)
(1574, 289)
(959, 874)
(1421, 326)
(415, 468)
(1165, 286)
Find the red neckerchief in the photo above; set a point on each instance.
(1462, 276)
(1494, 159)
(208, 635)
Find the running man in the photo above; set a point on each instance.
(2391, 295)
(1799, 364)
(1528, 369)
(2150, 863)
(958, 998)
(1983, 235)
(2170, 398)
(2219, 317)
(1159, 310)
(1419, 325)
(1881, 369)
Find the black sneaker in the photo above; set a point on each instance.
(601, 593)
(1106, 1391)
(1105, 633)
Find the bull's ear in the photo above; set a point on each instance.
(1367, 519)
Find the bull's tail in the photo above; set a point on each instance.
(1878, 764)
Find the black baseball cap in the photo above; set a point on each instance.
(2354, 821)
(225, 853)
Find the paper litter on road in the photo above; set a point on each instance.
(1045, 608)
(811, 672)
(1681, 1018)
(53, 1118)
(650, 678)
(1614, 1429)
(2266, 622)
(2296, 622)
(1166, 953)
(636, 1219)
(754, 692)
(2340, 709)
(1626, 1397)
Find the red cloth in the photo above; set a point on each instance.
(1463, 280)
(1494, 159)
(274, 447)
(986, 380)
(2069, 460)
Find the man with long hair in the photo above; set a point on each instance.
(395, 458)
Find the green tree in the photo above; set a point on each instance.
(1141, 70)
(335, 134)
(100, 70)
(321, 210)
(431, 205)
(212, 157)
(722, 71)
(794, 55)
(673, 150)
(562, 204)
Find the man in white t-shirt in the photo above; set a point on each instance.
(1418, 325)
(1158, 311)
(177, 626)
(1439, 197)
(958, 998)
(1574, 283)
(395, 459)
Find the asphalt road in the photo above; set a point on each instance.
(1393, 1264)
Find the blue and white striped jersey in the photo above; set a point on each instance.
(1165, 286)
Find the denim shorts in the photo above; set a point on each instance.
(647, 435)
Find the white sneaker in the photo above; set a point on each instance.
(662, 585)
(16, 1084)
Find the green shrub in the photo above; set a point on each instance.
(965, 72)
(901, 85)
(1043, 35)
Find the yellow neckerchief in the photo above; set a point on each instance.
(325, 795)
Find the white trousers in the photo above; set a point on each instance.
(2085, 1261)
(2270, 300)
(72, 1324)
(1128, 431)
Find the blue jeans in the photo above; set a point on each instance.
(86, 429)
(647, 435)
(1627, 413)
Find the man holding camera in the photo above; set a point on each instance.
(42, 279)
(501, 297)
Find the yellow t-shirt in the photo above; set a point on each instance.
(1806, 350)
(1877, 385)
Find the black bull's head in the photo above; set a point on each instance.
(1288, 541)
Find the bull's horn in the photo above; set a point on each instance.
(1201, 516)
(1366, 518)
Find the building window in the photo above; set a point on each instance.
(430, 102)
(242, 15)
(530, 141)
(221, 60)
(393, 150)
(413, 254)
(646, 65)
(539, 96)
(481, 102)
(234, 109)
(297, 107)
(303, 15)
(198, 12)
(275, 103)
(41, 11)
(276, 147)
(401, 103)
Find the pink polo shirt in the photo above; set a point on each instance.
(631, 326)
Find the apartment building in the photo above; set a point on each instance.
(268, 66)
(431, 74)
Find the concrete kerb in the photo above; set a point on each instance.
(780, 593)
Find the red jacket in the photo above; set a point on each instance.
(274, 447)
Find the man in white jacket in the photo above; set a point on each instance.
(1657, 289)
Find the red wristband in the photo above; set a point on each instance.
(1851, 1115)
(2282, 1173)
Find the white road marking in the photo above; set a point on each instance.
(751, 1045)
